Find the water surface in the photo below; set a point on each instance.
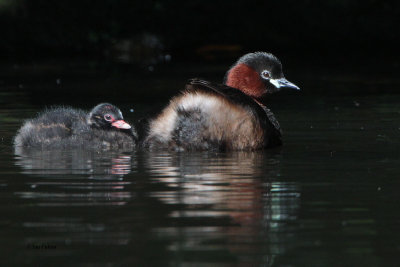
(328, 197)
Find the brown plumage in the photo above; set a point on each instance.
(209, 116)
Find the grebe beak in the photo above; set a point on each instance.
(120, 124)
(283, 83)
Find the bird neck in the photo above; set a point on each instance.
(246, 79)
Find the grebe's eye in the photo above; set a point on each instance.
(108, 117)
(266, 74)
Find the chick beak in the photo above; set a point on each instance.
(121, 124)
(283, 83)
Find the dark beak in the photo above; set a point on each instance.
(121, 124)
(283, 83)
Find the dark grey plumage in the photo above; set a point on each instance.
(65, 127)
(260, 61)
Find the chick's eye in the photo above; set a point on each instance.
(108, 117)
(266, 74)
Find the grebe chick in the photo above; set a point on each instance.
(65, 127)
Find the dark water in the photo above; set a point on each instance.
(328, 197)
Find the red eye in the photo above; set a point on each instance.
(108, 117)
(266, 74)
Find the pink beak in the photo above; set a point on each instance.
(120, 124)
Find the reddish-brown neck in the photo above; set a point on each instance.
(247, 80)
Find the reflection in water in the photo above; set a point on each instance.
(221, 207)
(60, 173)
(236, 195)
(206, 209)
(73, 161)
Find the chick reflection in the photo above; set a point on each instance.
(74, 177)
(73, 161)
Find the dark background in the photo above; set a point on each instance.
(87, 27)
(346, 37)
